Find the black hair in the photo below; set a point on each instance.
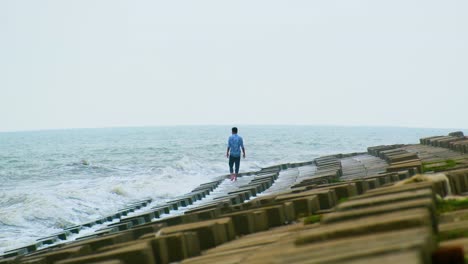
(234, 130)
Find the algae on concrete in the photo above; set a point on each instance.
(437, 166)
(450, 205)
(312, 219)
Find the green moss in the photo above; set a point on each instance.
(454, 234)
(437, 166)
(444, 206)
(342, 200)
(312, 219)
(335, 180)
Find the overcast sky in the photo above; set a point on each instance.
(68, 64)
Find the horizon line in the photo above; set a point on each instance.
(219, 125)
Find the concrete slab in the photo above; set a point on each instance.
(404, 219)
(138, 253)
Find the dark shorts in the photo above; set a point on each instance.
(232, 161)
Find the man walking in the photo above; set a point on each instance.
(235, 144)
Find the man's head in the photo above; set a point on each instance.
(234, 130)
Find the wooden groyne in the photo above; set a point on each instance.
(394, 203)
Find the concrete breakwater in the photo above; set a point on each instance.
(347, 208)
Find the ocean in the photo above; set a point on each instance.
(50, 180)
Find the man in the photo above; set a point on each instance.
(235, 144)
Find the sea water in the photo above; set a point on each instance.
(54, 179)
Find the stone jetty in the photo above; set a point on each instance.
(391, 204)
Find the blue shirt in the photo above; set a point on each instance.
(235, 143)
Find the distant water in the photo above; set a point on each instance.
(54, 179)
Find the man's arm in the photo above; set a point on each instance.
(227, 152)
(242, 146)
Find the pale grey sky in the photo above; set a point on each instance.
(66, 64)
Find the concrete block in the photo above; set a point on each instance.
(242, 194)
(55, 255)
(138, 253)
(410, 165)
(192, 243)
(261, 220)
(226, 226)
(404, 219)
(345, 250)
(354, 214)
(178, 220)
(459, 242)
(403, 175)
(159, 210)
(139, 219)
(361, 186)
(453, 230)
(344, 191)
(458, 145)
(47, 241)
(108, 240)
(394, 178)
(120, 226)
(244, 222)
(275, 215)
(455, 216)
(149, 228)
(373, 183)
(166, 248)
(231, 257)
(382, 179)
(206, 214)
(114, 261)
(231, 199)
(306, 206)
(402, 157)
(210, 233)
(458, 180)
(254, 241)
(265, 200)
(426, 140)
(399, 189)
(386, 199)
(259, 187)
(406, 256)
(327, 198)
(250, 189)
(249, 205)
(456, 134)
(205, 207)
(177, 247)
(73, 229)
(182, 202)
(289, 212)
